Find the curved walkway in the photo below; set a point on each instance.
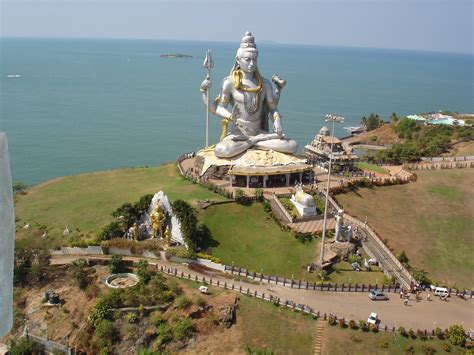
(354, 305)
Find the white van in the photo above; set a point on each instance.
(441, 292)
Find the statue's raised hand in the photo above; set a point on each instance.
(206, 84)
(277, 127)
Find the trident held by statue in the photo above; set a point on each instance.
(208, 64)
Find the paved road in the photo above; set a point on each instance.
(355, 305)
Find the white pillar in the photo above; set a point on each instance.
(265, 177)
(248, 181)
(287, 179)
(7, 239)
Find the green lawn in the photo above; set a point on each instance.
(267, 327)
(431, 220)
(84, 202)
(371, 167)
(347, 341)
(247, 236)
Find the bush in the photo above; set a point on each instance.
(164, 334)
(111, 230)
(81, 273)
(427, 349)
(384, 345)
(99, 312)
(212, 258)
(362, 325)
(115, 264)
(184, 302)
(456, 335)
(410, 349)
(402, 257)
(183, 329)
(373, 328)
(266, 206)
(402, 331)
(411, 333)
(342, 323)
(439, 333)
(24, 346)
(183, 253)
(157, 319)
(19, 188)
(142, 271)
(131, 317)
(352, 324)
(332, 320)
(446, 347)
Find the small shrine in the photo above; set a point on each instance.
(303, 202)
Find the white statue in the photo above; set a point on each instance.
(253, 102)
(339, 224)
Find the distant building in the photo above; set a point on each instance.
(319, 150)
(437, 119)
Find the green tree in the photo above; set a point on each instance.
(81, 273)
(372, 122)
(112, 230)
(142, 271)
(115, 264)
(259, 194)
(402, 257)
(19, 188)
(240, 196)
(126, 214)
(185, 214)
(456, 335)
(406, 128)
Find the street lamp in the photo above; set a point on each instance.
(333, 119)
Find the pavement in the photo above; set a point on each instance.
(350, 305)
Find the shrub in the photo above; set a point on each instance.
(115, 264)
(111, 230)
(421, 335)
(183, 253)
(142, 271)
(402, 331)
(24, 345)
(184, 302)
(439, 333)
(446, 347)
(410, 349)
(373, 328)
(266, 206)
(332, 320)
(201, 302)
(157, 319)
(362, 325)
(19, 188)
(411, 333)
(384, 345)
(456, 335)
(99, 312)
(402, 257)
(164, 334)
(427, 349)
(352, 324)
(183, 329)
(131, 317)
(212, 258)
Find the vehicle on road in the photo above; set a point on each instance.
(373, 319)
(440, 291)
(376, 295)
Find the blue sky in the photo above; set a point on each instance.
(433, 25)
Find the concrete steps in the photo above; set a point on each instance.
(318, 342)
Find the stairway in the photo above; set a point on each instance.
(318, 342)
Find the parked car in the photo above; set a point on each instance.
(372, 318)
(376, 295)
(439, 291)
(204, 289)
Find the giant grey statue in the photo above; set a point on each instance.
(253, 102)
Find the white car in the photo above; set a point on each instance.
(376, 295)
(372, 318)
(204, 289)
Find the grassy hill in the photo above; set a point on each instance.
(431, 220)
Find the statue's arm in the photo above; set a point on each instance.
(205, 87)
(223, 100)
(272, 108)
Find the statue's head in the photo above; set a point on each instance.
(247, 54)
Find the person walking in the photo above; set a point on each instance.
(406, 301)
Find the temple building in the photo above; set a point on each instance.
(255, 169)
(319, 150)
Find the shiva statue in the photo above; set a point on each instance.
(253, 102)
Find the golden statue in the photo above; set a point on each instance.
(135, 231)
(168, 236)
(157, 218)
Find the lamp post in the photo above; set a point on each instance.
(333, 119)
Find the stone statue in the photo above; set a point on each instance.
(339, 224)
(253, 103)
(157, 218)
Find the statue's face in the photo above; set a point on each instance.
(248, 62)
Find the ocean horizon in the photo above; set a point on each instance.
(72, 106)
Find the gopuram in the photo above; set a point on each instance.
(249, 155)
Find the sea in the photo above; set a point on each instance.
(72, 106)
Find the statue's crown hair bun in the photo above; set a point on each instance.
(248, 41)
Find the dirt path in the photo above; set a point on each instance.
(354, 305)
